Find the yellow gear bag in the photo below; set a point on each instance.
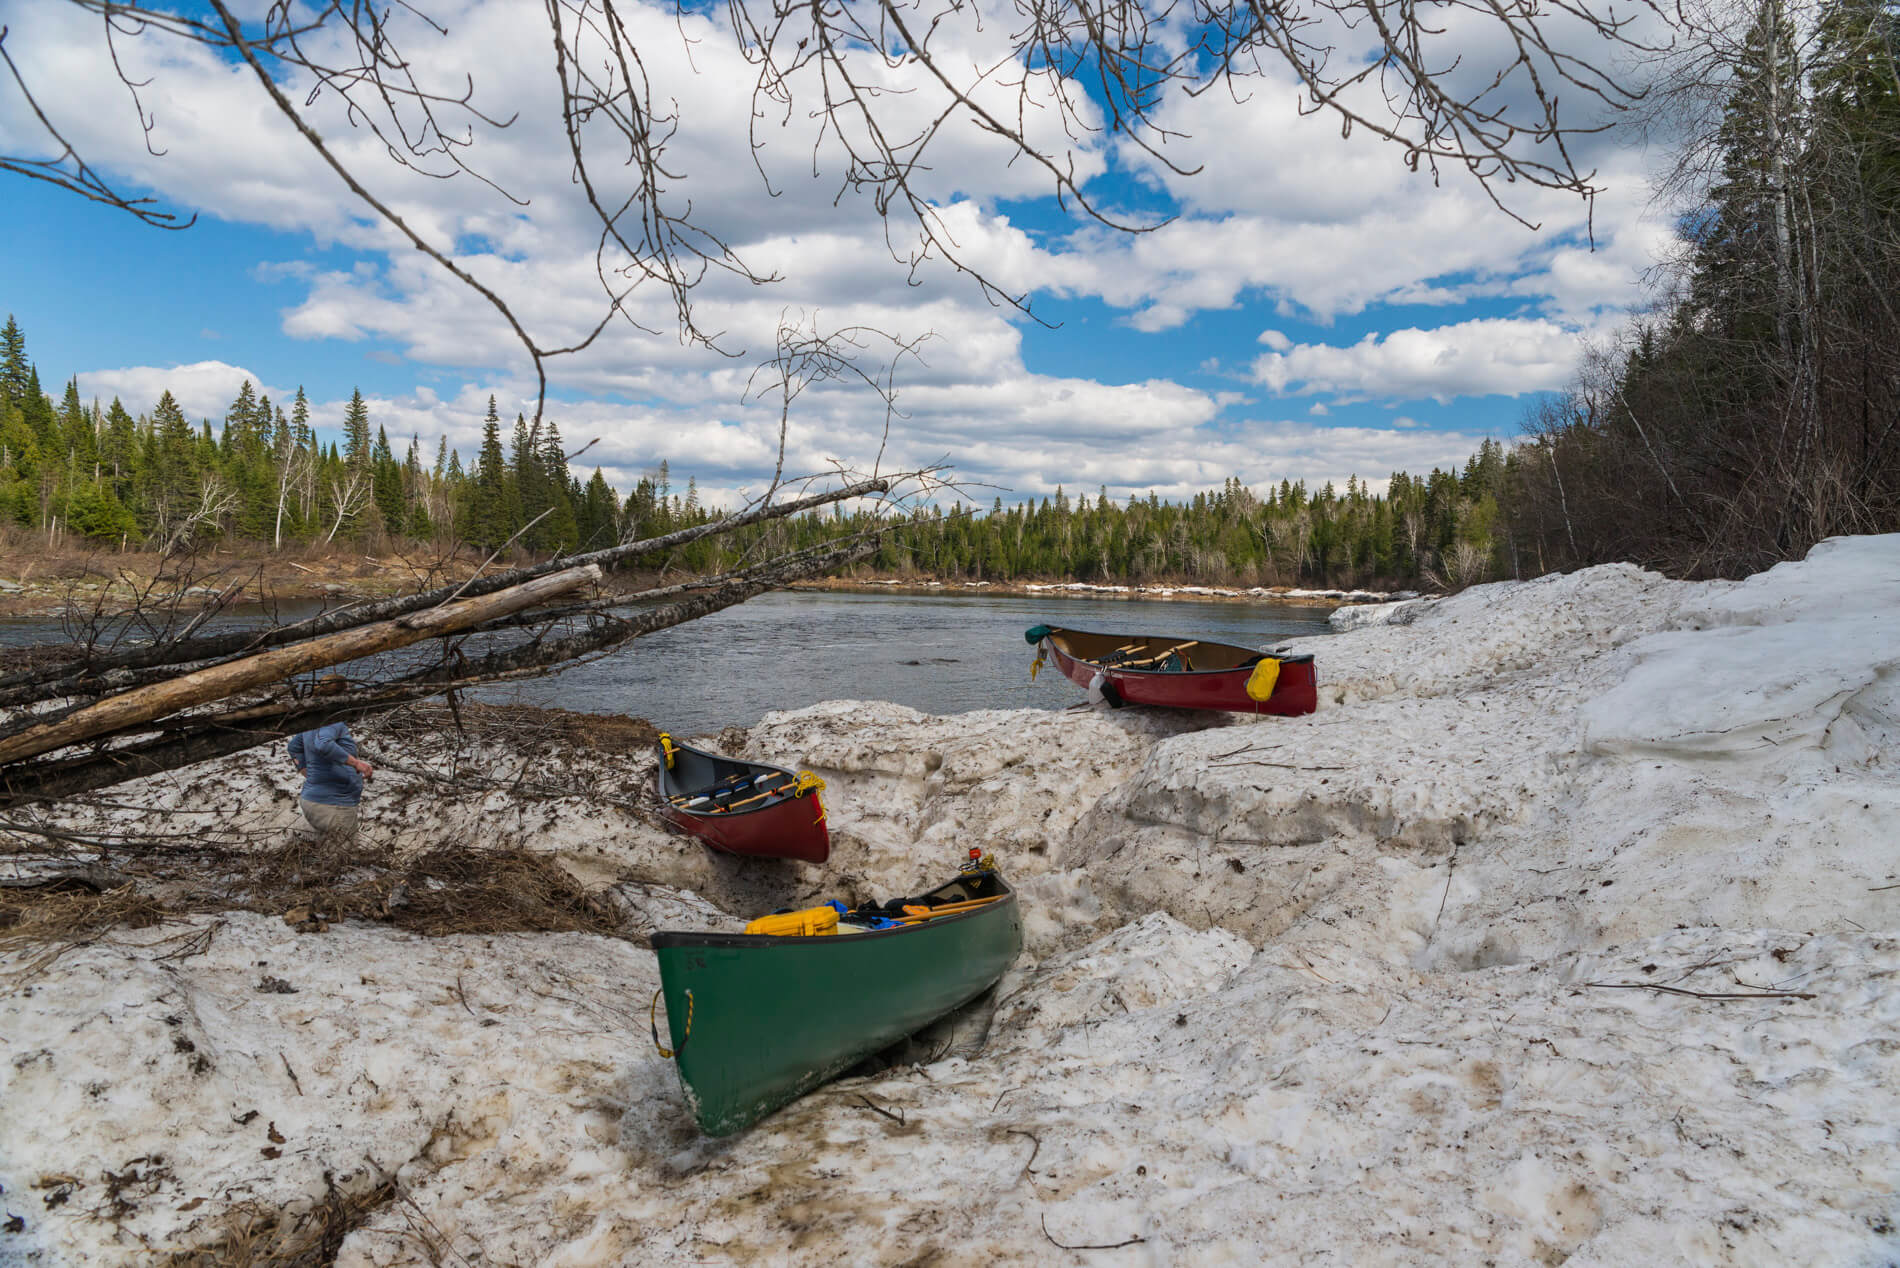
(1260, 682)
(809, 923)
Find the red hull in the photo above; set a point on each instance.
(763, 811)
(790, 829)
(1295, 692)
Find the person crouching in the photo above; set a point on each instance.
(333, 777)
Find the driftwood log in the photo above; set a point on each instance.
(188, 738)
(101, 673)
(146, 704)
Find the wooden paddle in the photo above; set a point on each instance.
(1149, 660)
(951, 909)
(774, 790)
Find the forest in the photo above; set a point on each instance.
(1752, 411)
(77, 469)
(1748, 413)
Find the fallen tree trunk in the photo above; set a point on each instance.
(200, 737)
(96, 673)
(146, 704)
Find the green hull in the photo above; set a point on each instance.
(771, 1018)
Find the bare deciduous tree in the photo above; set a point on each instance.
(1498, 92)
(211, 502)
(292, 459)
(348, 496)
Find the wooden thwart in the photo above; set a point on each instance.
(773, 791)
(685, 799)
(1149, 660)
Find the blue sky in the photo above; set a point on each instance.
(1314, 310)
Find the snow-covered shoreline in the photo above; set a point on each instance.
(1103, 590)
(1567, 929)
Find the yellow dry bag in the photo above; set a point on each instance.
(1260, 683)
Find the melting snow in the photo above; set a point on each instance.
(1568, 929)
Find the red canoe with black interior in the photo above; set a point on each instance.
(740, 807)
(1179, 673)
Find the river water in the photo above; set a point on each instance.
(940, 654)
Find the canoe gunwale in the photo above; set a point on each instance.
(1292, 658)
(679, 938)
(670, 787)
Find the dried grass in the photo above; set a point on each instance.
(255, 1235)
(445, 891)
(46, 921)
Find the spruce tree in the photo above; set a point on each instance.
(356, 442)
(172, 474)
(561, 529)
(14, 367)
(386, 477)
(486, 523)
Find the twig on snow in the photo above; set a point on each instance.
(873, 1106)
(1717, 995)
(1032, 1153)
(1103, 1246)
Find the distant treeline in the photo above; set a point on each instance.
(156, 479)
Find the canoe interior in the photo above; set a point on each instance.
(706, 783)
(1152, 653)
(756, 1021)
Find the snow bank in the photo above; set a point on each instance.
(1563, 932)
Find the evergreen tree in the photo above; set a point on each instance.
(38, 412)
(172, 473)
(356, 443)
(527, 488)
(387, 484)
(599, 513)
(487, 523)
(14, 366)
(561, 529)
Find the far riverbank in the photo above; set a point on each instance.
(1091, 590)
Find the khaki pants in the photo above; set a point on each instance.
(330, 825)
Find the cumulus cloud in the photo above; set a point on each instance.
(1507, 357)
(202, 389)
(1289, 217)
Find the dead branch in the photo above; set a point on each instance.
(97, 675)
(874, 1107)
(192, 738)
(146, 704)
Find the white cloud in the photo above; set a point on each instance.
(203, 389)
(1475, 358)
(1288, 215)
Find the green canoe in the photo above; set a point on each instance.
(756, 1020)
